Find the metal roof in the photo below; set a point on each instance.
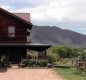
(30, 46)
(25, 16)
(24, 44)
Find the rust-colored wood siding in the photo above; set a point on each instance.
(20, 29)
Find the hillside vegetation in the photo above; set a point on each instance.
(57, 36)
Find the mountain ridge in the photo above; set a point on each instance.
(57, 36)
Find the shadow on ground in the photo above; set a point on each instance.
(56, 66)
(2, 70)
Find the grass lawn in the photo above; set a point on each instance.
(70, 73)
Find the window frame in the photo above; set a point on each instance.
(11, 31)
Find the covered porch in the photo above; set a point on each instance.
(14, 52)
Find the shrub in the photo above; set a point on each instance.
(43, 63)
(31, 62)
(4, 63)
(24, 63)
(37, 63)
(83, 57)
(52, 57)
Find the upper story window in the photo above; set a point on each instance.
(11, 31)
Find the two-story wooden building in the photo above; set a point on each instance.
(14, 29)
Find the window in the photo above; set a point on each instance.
(11, 31)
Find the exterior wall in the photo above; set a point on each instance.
(20, 29)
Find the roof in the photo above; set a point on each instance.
(25, 16)
(31, 46)
(24, 44)
(17, 17)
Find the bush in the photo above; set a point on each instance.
(31, 62)
(43, 63)
(35, 63)
(4, 63)
(66, 52)
(83, 57)
(52, 57)
(24, 63)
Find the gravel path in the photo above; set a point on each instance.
(28, 74)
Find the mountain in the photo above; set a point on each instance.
(57, 36)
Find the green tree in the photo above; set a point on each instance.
(62, 52)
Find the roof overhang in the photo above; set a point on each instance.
(30, 46)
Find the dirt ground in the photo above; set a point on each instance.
(28, 74)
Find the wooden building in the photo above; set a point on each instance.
(14, 29)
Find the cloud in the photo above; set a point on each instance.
(56, 9)
(67, 14)
(25, 3)
(5, 7)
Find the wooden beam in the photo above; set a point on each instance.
(19, 55)
(8, 53)
(45, 53)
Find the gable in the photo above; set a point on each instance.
(27, 23)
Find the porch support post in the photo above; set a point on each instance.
(8, 54)
(26, 53)
(45, 53)
(19, 55)
(38, 55)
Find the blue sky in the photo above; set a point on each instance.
(66, 14)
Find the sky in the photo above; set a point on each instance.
(66, 14)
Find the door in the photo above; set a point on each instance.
(14, 56)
